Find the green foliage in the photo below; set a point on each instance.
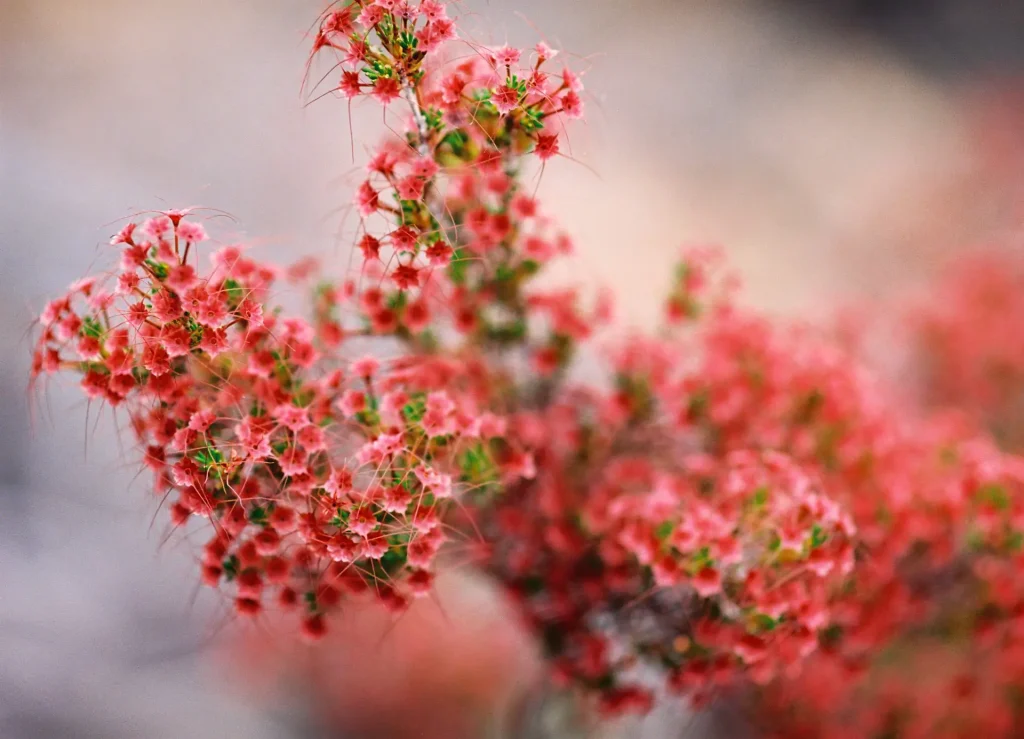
(91, 327)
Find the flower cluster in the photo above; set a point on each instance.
(938, 588)
(744, 500)
(445, 218)
(957, 667)
(318, 477)
(735, 501)
(963, 341)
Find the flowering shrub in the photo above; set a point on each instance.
(963, 342)
(960, 670)
(735, 501)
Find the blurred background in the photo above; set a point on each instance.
(837, 148)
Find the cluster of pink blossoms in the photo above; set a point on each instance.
(241, 411)
(745, 502)
(960, 670)
(965, 343)
(737, 501)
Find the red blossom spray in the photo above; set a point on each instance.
(736, 501)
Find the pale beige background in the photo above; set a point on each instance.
(826, 165)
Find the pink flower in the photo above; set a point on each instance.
(352, 402)
(374, 546)
(370, 15)
(437, 424)
(404, 238)
(667, 572)
(722, 456)
(388, 444)
(544, 52)
(433, 10)
(339, 482)
(572, 106)
(435, 33)
(440, 402)
(425, 167)
(362, 521)
(440, 485)
(357, 52)
(505, 98)
(202, 420)
(350, 86)
(89, 348)
(397, 500)
(251, 312)
(488, 426)
(572, 81)
(421, 583)
(405, 276)
(411, 187)
(365, 367)
(191, 232)
(339, 22)
(439, 254)
(386, 89)
(370, 246)
(291, 416)
(127, 283)
(294, 461)
(157, 228)
(166, 306)
(422, 551)
(312, 438)
(707, 582)
(547, 146)
(520, 465)
(366, 200)
(124, 236)
(182, 277)
(133, 257)
(416, 316)
(176, 340)
(505, 56)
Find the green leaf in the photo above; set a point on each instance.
(310, 597)
(504, 273)
(477, 466)
(457, 267)
(397, 301)
(760, 496)
(1015, 541)
(230, 567)
(407, 40)
(529, 267)
(234, 291)
(818, 536)
(414, 410)
(507, 333)
(258, 515)
(393, 559)
(763, 622)
(433, 117)
(91, 327)
(160, 269)
(995, 495)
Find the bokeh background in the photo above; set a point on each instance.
(839, 150)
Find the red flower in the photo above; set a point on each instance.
(505, 98)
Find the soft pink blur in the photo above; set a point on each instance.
(449, 667)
